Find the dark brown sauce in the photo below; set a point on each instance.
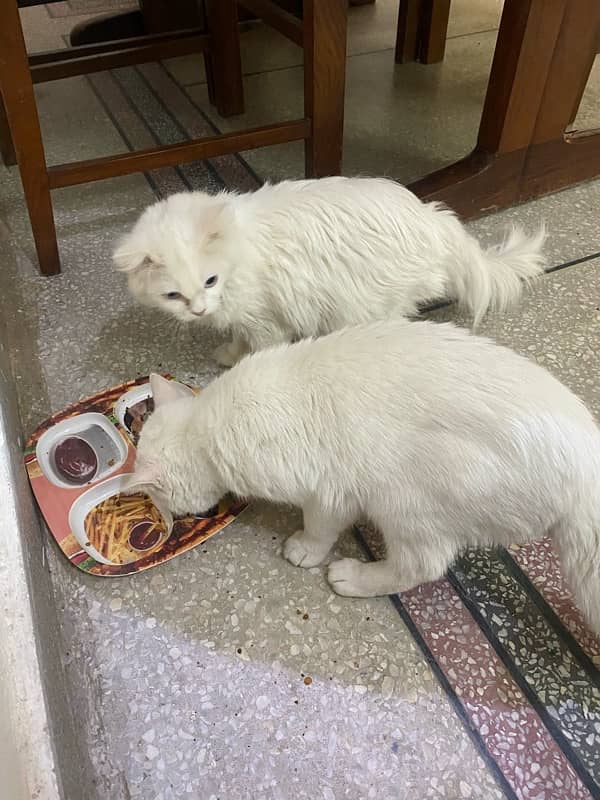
(144, 535)
(75, 460)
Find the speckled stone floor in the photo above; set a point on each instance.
(227, 673)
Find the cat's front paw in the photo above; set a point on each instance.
(346, 577)
(227, 355)
(302, 551)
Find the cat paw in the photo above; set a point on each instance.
(302, 552)
(226, 355)
(346, 577)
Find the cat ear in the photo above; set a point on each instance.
(126, 257)
(216, 218)
(164, 391)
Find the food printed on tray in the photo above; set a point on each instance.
(136, 415)
(123, 527)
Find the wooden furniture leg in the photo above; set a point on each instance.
(160, 16)
(7, 149)
(542, 62)
(21, 111)
(556, 159)
(433, 31)
(324, 32)
(407, 33)
(225, 73)
(422, 31)
(490, 177)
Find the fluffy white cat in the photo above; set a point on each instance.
(442, 439)
(304, 258)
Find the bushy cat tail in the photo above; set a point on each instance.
(577, 539)
(493, 279)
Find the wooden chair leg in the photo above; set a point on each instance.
(7, 148)
(578, 97)
(407, 34)
(433, 31)
(225, 73)
(21, 111)
(422, 31)
(325, 24)
(210, 79)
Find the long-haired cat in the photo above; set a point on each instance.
(442, 439)
(304, 258)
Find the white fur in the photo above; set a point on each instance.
(304, 258)
(441, 438)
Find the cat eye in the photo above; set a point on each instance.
(211, 281)
(173, 295)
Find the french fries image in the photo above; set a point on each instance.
(122, 527)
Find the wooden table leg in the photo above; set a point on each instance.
(325, 25)
(407, 33)
(433, 31)
(22, 115)
(556, 160)
(7, 149)
(225, 72)
(490, 177)
(422, 31)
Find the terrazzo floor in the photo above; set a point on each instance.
(227, 673)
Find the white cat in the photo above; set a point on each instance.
(304, 258)
(442, 439)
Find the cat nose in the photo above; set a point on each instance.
(197, 306)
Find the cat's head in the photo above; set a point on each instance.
(172, 464)
(178, 255)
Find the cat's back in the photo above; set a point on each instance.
(418, 371)
(329, 196)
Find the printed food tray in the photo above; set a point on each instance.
(78, 462)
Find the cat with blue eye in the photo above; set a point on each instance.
(198, 309)
(300, 259)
